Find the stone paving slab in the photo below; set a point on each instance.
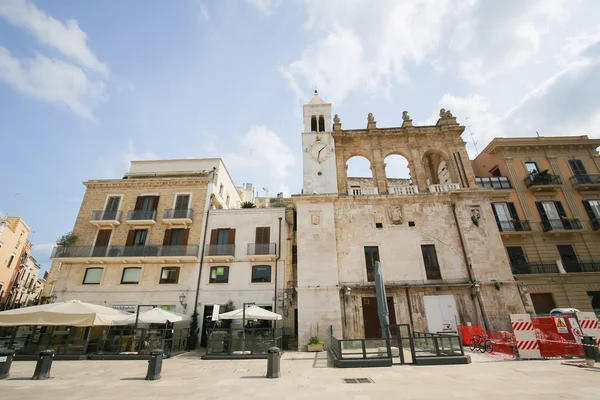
(304, 376)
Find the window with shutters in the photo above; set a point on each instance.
(553, 215)
(262, 241)
(261, 273)
(131, 276)
(169, 275)
(10, 260)
(92, 276)
(507, 218)
(516, 256)
(432, 268)
(579, 171)
(532, 167)
(592, 208)
(222, 242)
(145, 208)
(219, 275)
(112, 203)
(181, 206)
(371, 256)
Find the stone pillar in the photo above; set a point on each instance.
(468, 169)
(342, 173)
(417, 172)
(378, 169)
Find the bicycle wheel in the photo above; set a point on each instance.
(473, 344)
(489, 346)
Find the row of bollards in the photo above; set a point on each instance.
(42, 368)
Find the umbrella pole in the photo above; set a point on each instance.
(87, 339)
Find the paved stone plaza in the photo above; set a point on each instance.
(304, 376)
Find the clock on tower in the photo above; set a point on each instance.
(318, 161)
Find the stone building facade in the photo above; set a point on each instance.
(139, 237)
(13, 242)
(435, 233)
(546, 202)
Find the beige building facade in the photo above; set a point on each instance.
(546, 202)
(434, 233)
(13, 239)
(139, 237)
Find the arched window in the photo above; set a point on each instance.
(321, 124)
(313, 124)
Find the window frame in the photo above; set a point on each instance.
(430, 267)
(252, 280)
(210, 273)
(182, 194)
(131, 283)
(10, 260)
(108, 196)
(537, 167)
(83, 282)
(367, 269)
(160, 279)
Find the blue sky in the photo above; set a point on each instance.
(85, 86)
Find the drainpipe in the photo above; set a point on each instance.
(276, 261)
(201, 259)
(485, 322)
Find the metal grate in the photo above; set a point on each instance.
(358, 380)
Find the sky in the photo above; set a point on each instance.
(88, 86)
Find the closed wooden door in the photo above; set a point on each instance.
(101, 244)
(371, 317)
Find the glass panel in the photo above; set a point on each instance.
(92, 275)
(223, 236)
(176, 237)
(595, 205)
(219, 274)
(131, 275)
(531, 167)
(147, 203)
(140, 237)
(504, 217)
(261, 273)
(552, 213)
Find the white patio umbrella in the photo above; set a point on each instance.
(252, 312)
(156, 316)
(68, 313)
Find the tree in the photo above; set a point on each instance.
(66, 240)
(248, 204)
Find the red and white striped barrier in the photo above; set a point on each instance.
(527, 344)
(589, 324)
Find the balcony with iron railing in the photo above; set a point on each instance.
(514, 226)
(581, 266)
(493, 182)
(585, 182)
(106, 218)
(178, 216)
(534, 268)
(560, 225)
(141, 217)
(219, 252)
(543, 182)
(262, 251)
(122, 253)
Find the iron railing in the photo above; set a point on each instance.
(534, 268)
(186, 213)
(124, 251)
(494, 182)
(102, 215)
(586, 179)
(541, 180)
(255, 249)
(142, 215)
(595, 223)
(582, 266)
(516, 226)
(219, 250)
(562, 224)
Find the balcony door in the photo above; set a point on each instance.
(568, 257)
(503, 217)
(182, 203)
(579, 171)
(112, 207)
(551, 214)
(101, 244)
(263, 237)
(222, 241)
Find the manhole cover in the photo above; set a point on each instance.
(358, 380)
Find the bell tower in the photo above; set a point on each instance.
(318, 148)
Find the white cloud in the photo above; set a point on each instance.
(266, 7)
(117, 167)
(264, 154)
(52, 81)
(203, 11)
(66, 37)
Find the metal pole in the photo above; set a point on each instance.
(276, 262)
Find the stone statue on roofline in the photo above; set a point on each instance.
(336, 119)
(446, 118)
(370, 118)
(406, 121)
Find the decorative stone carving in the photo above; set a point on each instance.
(445, 114)
(405, 116)
(475, 215)
(446, 118)
(336, 119)
(315, 218)
(395, 214)
(370, 118)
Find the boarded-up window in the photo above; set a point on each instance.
(543, 303)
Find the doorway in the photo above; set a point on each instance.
(543, 303)
(441, 314)
(206, 323)
(371, 317)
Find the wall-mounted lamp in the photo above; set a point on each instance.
(182, 299)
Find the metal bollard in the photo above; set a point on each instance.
(155, 365)
(44, 363)
(6, 357)
(273, 362)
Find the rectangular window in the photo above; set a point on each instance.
(182, 202)
(139, 237)
(169, 275)
(261, 273)
(131, 275)
(112, 204)
(92, 276)
(176, 237)
(432, 268)
(578, 169)
(532, 167)
(568, 257)
(516, 255)
(10, 260)
(294, 254)
(223, 236)
(371, 255)
(219, 275)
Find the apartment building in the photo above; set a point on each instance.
(25, 286)
(138, 238)
(13, 240)
(434, 231)
(546, 203)
(246, 259)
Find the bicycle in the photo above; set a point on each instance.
(481, 343)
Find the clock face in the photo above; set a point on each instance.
(319, 151)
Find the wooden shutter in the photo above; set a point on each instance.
(541, 210)
(182, 202)
(155, 202)
(588, 209)
(113, 203)
(138, 203)
(103, 237)
(263, 235)
(577, 167)
(167, 239)
(513, 211)
(186, 235)
(560, 209)
(130, 237)
(495, 213)
(231, 236)
(213, 236)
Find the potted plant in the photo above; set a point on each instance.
(315, 344)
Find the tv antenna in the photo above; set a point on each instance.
(472, 137)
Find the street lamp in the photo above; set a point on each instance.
(182, 299)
